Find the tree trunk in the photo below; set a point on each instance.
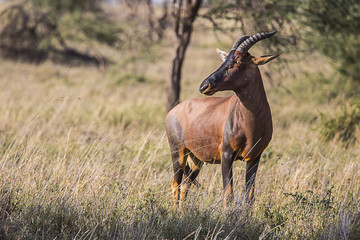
(156, 25)
(183, 29)
(174, 88)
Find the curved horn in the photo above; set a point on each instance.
(250, 41)
(238, 41)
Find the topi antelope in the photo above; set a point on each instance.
(222, 130)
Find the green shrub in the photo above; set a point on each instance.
(87, 27)
(343, 125)
(35, 28)
(68, 5)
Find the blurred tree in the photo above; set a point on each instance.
(333, 28)
(34, 28)
(157, 25)
(252, 16)
(68, 5)
(184, 16)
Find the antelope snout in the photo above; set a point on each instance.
(207, 89)
(204, 87)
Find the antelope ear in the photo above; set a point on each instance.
(264, 59)
(222, 54)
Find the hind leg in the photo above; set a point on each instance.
(179, 161)
(192, 170)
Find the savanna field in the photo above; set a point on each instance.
(84, 154)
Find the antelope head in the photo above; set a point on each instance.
(239, 68)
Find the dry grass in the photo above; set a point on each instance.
(84, 156)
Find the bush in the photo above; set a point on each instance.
(68, 5)
(33, 29)
(343, 125)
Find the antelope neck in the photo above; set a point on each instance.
(253, 98)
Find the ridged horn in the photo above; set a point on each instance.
(250, 41)
(238, 41)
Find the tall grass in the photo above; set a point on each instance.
(85, 156)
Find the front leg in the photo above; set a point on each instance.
(251, 168)
(227, 175)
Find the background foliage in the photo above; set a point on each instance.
(34, 29)
(333, 29)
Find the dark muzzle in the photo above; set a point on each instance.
(204, 87)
